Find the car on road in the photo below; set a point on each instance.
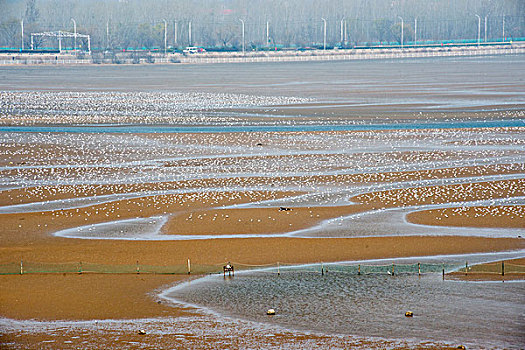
(193, 49)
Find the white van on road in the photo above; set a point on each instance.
(193, 49)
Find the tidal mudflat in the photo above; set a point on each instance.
(102, 165)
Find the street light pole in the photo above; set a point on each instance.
(175, 25)
(324, 34)
(242, 22)
(342, 30)
(165, 35)
(267, 33)
(22, 25)
(486, 28)
(75, 31)
(189, 32)
(479, 28)
(415, 31)
(346, 31)
(503, 34)
(402, 30)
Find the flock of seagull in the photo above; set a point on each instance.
(181, 108)
(94, 173)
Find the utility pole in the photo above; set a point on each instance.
(479, 28)
(22, 25)
(242, 22)
(75, 31)
(107, 34)
(165, 35)
(402, 30)
(324, 34)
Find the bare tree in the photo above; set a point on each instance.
(10, 32)
(133, 23)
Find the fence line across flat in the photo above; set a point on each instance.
(23, 267)
(318, 57)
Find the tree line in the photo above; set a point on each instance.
(122, 24)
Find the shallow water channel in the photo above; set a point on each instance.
(486, 314)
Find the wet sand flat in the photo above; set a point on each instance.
(57, 192)
(211, 211)
(489, 216)
(513, 270)
(251, 198)
(84, 297)
(449, 84)
(258, 251)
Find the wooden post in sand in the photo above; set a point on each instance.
(443, 266)
(21, 267)
(138, 268)
(278, 269)
(466, 268)
(322, 269)
(393, 270)
(503, 268)
(189, 267)
(359, 269)
(80, 268)
(419, 269)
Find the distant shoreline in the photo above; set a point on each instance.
(126, 58)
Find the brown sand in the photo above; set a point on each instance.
(231, 221)
(272, 220)
(253, 220)
(27, 236)
(479, 277)
(492, 272)
(43, 193)
(249, 251)
(31, 227)
(101, 338)
(493, 216)
(80, 297)
(83, 297)
(444, 194)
